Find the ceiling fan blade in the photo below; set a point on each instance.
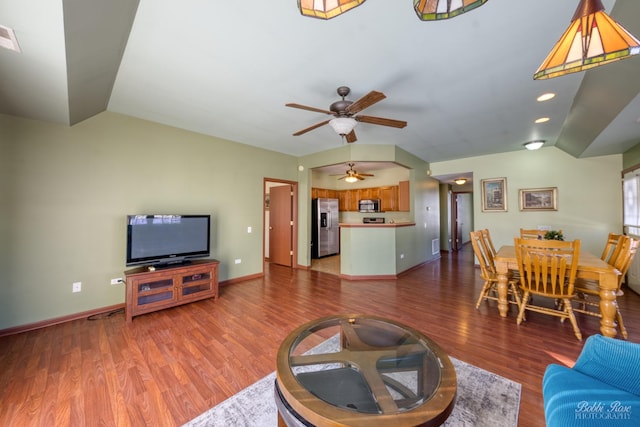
(359, 177)
(317, 125)
(366, 101)
(351, 136)
(304, 107)
(366, 174)
(343, 177)
(381, 121)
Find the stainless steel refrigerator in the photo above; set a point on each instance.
(325, 235)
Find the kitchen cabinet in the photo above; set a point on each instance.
(389, 198)
(342, 201)
(365, 194)
(392, 197)
(352, 200)
(323, 193)
(404, 197)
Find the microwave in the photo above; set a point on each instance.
(369, 205)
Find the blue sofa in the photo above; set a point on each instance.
(602, 389)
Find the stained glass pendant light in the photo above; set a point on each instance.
(326, 9)
(592, 39)
(434, 10)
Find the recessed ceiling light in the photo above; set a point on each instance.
(542, 120)
(546, 97)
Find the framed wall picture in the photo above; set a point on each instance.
(494, 195)
(539, 199)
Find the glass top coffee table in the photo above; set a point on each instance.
(357, 370)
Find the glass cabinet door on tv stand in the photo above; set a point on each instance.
(148, 291)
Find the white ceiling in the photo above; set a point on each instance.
(226, 69)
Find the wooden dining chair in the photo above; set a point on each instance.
(588, 292)
(487, 238)
(534, 233)
(482, 251)
(548, 269)
(611, 248)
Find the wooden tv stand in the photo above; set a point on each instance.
(149, 291)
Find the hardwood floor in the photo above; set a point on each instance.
(167, 367)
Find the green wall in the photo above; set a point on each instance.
(65, 192)
(631, 157)
(589, 193)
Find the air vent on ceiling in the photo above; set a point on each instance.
(8, 39)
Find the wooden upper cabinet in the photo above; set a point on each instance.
(389, 198)
(364, 193)
(392, 197)
(323, 193)
(347, 200)
(342, 200)
(404, 197)
(375, 193)
(352, 200)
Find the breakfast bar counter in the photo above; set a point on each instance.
(374, 251)
(385, 225)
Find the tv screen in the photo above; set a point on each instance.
(166, 239)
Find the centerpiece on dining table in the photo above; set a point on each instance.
(553, 235)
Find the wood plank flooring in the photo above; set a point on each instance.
(166, 368)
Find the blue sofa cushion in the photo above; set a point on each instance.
(572, 398)
(612, 361)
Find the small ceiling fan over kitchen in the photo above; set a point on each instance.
(352, 176)
(345, 114)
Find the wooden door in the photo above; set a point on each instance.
(456, 225)
(281, 225)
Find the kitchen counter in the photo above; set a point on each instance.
(385, 225)
(376, 251)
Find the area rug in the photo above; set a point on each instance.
(483, 399)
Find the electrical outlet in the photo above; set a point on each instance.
(77, 286)
(238, 261)
(249, 230)
(116, 281)
(401, 256)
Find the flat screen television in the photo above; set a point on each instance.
(162, 240)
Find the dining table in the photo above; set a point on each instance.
(590, 267)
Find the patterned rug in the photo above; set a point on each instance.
(483, 399)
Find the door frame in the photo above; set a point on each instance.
(294, 216)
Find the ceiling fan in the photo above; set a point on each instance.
(344, 112)
(352, 175)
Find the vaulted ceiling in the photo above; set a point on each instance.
(227, 69)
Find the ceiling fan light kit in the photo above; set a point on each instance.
(592, 39)
(435, 10)
(343, 125)
(352, 176)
